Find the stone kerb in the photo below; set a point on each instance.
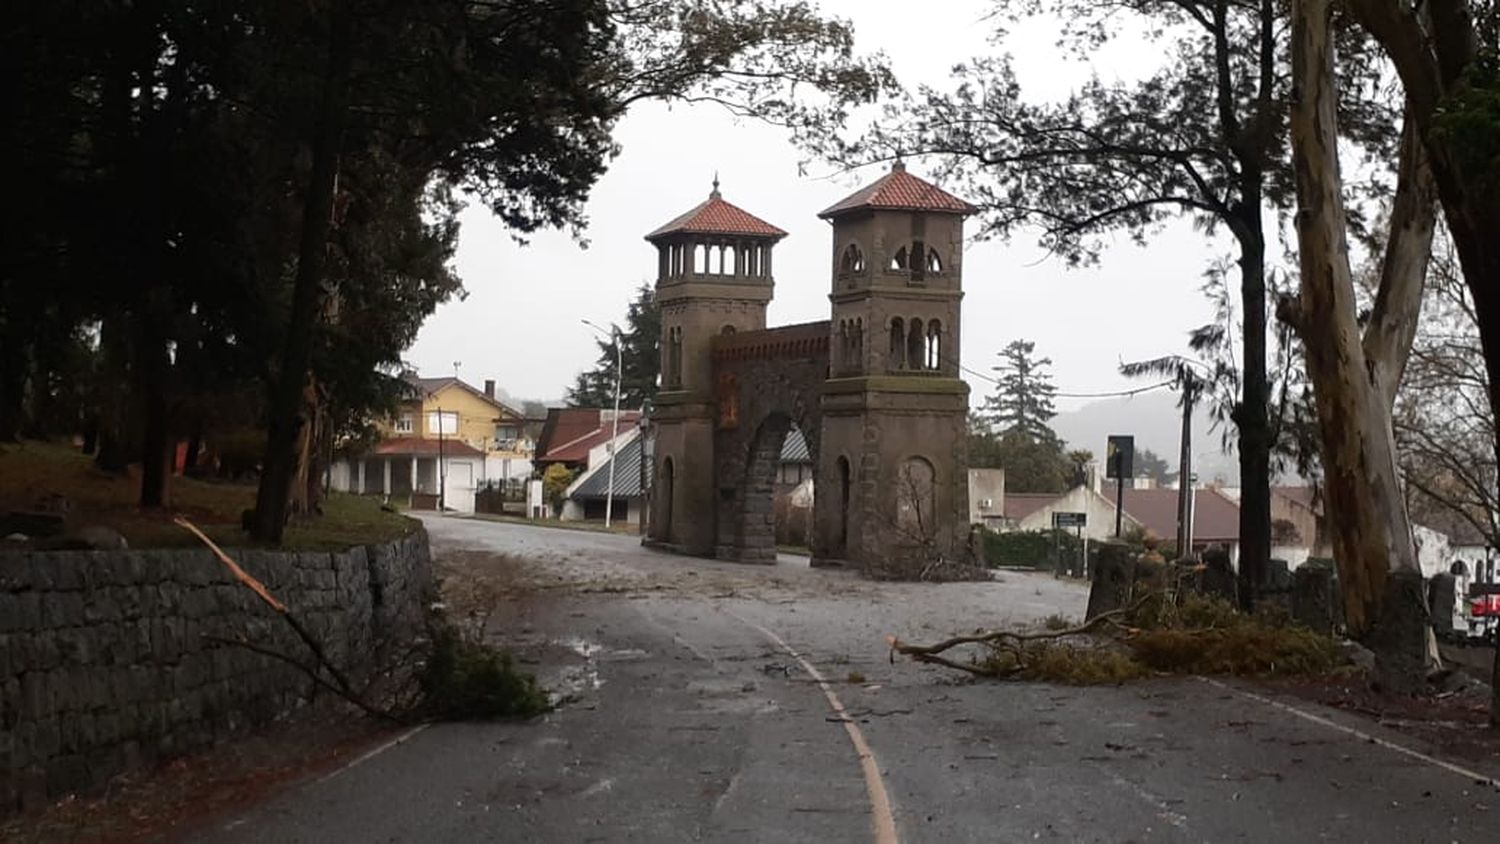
(111, 661)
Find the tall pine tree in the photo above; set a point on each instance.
(640, 353)
(1022, 403)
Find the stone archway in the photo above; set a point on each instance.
(747, 526)
(767, 382)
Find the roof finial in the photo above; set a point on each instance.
(899, 165)
(715, 193)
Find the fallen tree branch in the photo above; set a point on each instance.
(344, 688)
(310, 670)
(996, 637)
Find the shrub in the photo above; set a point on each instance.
(1069, 664)
(466, 679)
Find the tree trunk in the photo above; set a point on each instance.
(1251, 416)
(111, 397)
(194, 448)
(1371, 535)
(12, 380)
(1185, 471)
(285, 408)
(156, 445)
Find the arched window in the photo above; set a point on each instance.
(934, 263)
(674, 357)
(857, 345)
(916, 493)
(898, 345)
(727, 330)
(700, 259)
(934, 345)
(916, 344)
(853, 260)
(898, 260)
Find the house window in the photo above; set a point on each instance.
(443, 422)
(506, 436)
(404, 424)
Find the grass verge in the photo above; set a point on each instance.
(31, 472)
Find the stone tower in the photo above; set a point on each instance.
(894, 409)
(713, 278)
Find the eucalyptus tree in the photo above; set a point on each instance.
(1202, 136)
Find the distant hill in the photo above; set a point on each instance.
(1155, 420)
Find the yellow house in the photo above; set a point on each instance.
(441, 447)
(463, 413)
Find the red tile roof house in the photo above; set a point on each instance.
(571, 434)
(1216, 519)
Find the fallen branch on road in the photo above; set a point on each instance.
(1154, 634)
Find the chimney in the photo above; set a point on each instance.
(489, 387)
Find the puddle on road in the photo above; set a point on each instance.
(572, 682)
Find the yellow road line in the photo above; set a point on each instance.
(882, 821)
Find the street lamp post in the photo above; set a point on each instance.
(614, 337)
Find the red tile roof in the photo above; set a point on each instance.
(899, 190)
(419, 447)
(715, 216)
(572, 432)
(1215, 518)
(1019, 505)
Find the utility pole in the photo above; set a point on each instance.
(1119, 506)
(1185, 470)
(442, 468)
(1120, 462)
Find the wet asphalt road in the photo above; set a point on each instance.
(689, 720)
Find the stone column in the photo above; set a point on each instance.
(386, 481)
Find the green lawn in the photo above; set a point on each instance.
(32, 471)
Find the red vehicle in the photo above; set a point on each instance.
(1485, 606)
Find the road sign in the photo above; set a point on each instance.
(1070, 520)
(1121, 457)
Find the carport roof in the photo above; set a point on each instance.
(420, 447)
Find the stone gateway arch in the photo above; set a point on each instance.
(875, 389)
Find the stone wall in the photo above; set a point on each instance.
(109, 660)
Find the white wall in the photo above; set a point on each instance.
(1080, 499)
(464, 475)
(1295, 555)
(341, 476)
(986, 485)
(495, 468)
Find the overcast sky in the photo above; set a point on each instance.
(520, 323)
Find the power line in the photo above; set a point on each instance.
(1101, 395)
